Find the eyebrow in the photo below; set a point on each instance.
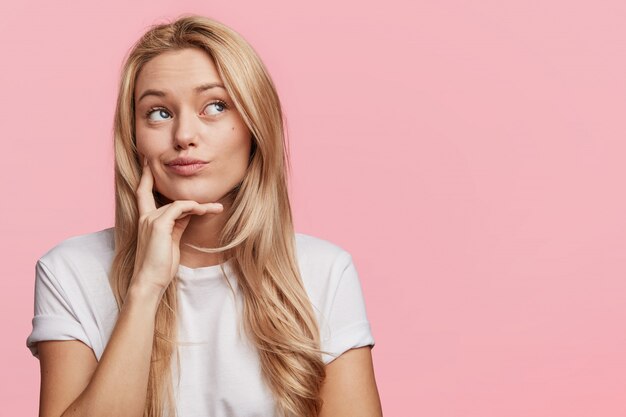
(198, 89)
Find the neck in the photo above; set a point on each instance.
(203, 231)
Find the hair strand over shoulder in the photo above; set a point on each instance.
(259, 236)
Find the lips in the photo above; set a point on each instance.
(186, 166)
(185, 161)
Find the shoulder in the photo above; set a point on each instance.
(78, 261)
(81, 250)
(73, 297)
(322, 264)
(319, 253)
(332, 282)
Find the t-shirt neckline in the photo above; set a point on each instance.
(213, 271)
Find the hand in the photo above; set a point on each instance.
(160, 230)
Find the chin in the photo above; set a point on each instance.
(198, 192)
(167, 198)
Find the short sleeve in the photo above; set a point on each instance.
(348, 324)
(54, 318)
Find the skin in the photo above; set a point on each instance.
(73, 382)
(204, 125)
(350, 389)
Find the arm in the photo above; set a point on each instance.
(349, 389)
(73, 383)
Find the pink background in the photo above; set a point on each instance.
(470, 155)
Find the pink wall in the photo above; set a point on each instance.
(470, 155)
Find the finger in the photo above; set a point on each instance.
(179, 227)
(188, 205)
(175, 210)
(145, 198)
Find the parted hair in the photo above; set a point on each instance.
(258, 236)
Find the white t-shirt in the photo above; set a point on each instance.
(220, 373)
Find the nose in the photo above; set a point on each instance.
(186, 130)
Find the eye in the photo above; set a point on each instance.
(219, 105)
(158, 111)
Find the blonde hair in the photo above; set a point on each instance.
(258, 235)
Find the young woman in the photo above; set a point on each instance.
(202, 300)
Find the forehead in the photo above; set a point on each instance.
(177, 70)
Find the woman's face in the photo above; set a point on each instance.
(182, 110)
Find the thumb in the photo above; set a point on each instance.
(179, 227)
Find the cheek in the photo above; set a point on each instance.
(147, 143)
(240, 153)
(139, 139)
(140, 147)
(242, 143)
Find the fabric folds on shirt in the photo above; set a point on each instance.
(220, 372)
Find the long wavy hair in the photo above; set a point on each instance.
(277, 314)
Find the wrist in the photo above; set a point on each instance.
(146, 293)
